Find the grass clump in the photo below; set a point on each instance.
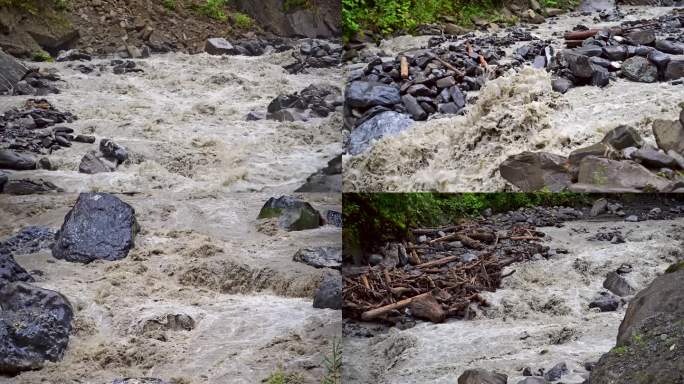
(291, 5)
(242, 21)
(41, 56)
(333, 364)
(169, 4)
(282, 377)
(214, 9)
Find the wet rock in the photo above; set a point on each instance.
(598, 207)
(646, 37)
(329, 293)
(10, 270)
(92, 163)
(600, 76)
(556, 372)
(605, 302)
(480, 376)
(533, 380)
(113, 151)
(535, 171)
(654, 159)
(561, 85)
(669, 135)
(659, 59)
(674, 70)
(219, 46)
(669, 47)
(23, 187)
(412, 106)
(10, 159)
(98, 227)
(362, 94)
(623, 137)
(384, 124)
(328, 179)
(30, 239)
(255, 116)
(610, 174)
(579, 65)
(73, 55)
(334, 218)
(615, 53)
(12, 71)
(320, 257)
(84, 139)
(34, 327)
(617, 284)
(632, 218)
(168, 322)
(143, 380)
(639, 69)
(293, 214)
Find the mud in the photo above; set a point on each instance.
(538, 318)
(249, 314)
(515, 113)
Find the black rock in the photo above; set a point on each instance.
(457, 96)
(99, 226)
(320, 257)
(334, 218)
(85, 139)
(361, 94)
(449, 109)
(618, 285)
(10, 159)
(669, 47)
(293, 214)
(615, 53)
(660, 59)
(416, 111)
(579, 65)
(10, 270)
(605, 302)
(113, 151)
(561, 85)
(12, 71)
(29, 240)
(329, 293)
(600, 77)
(654, 159)
(34, 327)
(556, 372)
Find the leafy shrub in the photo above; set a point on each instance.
(169, 4)
(242, 21)
(333, 364)
(41, 56)
(214, 9)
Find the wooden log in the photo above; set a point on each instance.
(404, 65)
(581, 35)
(444, 238)
(377, 312)
(442, 261)
(449, 66)
(573, 43)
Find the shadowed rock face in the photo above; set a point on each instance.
(321, 19)
(99, 226)
(34, 327)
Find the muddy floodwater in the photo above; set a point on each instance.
(514, 113)
(538, 318)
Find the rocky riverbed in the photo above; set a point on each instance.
(516, 112)
(550, 312)
(209, 293)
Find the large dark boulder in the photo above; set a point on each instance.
(10, 271)
(480, 376)
(363, 94)
(610, 174)
(11, 72)
(650, 337)
(10, 159)
(313, 18)
(293, 214)
(320, 257)
(531, 171)
(329, 293)
(34, 327)
(142, 380)
(99, 226)
(669, 135)
(639, 69)
(387, 123)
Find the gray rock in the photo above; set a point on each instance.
(384, 124)
(480, 376)
(660, 59)
(142, 380)
(320, 257)
(30, 239)
(632, 218)
(654, 159)
(561, 85)
(623, 137)
(12, 71)
(416, 111)
(646, 37)
(674, 70)
(34, 327)
(605, 302)
(579, 65)
(293, 214)
(219, 46)
(362, 94)
(610, 174)
(113, 151)
(329, 293)
(533, 380)
(98, 227)
(88, 139)
(10, 159)
(615, 53)
(92, 163)
(556, 372)
(669, 47)
(640, 69)
(23, 187)
(669, 135)
(617, 284)
(534, 171)
(599, 207)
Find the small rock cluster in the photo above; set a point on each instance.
(17, 79)
(328, 179)
(245, 47)
(315, 53)
(621, 162)
(314, 101)
(107, 159)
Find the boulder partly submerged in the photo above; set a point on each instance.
(99, 226)
(34, 327)
(293, 214)
(387, 123)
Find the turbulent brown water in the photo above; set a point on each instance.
(515, 113)
(538, 318)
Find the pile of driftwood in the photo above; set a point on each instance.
(440, 275)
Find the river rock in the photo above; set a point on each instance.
(320, 257)
(654, 159)
(610, 174)
(533, 380)
(98, 227)
(556, 372)
(480, 376)
(674, 70)
(363, 94)
(639, 69)
(92, 163)
(10, 270)
(646, 37)
(142, 380)
(561, 85)
(293, 214)
(30, 239)
(10, 159)
(12, 71)
(534, 171)
(328, 179)
(605, 302)
(623, 137)
(219, 46)
(384, 124)
(669, 47)
(334, 218)
(329, 293)
(22, 187)
(598, 207)
(113, 151)
(617, 284)
(34, 327)
(669, 135)
(579, 65)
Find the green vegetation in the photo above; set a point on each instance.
(242, 21)
(41, 56)
(562, 4)
(333, 364)
(291, 5)
(620, 350)
(374, 218)
(214, 9)
(169, 4)
(281, 377)
(675, 267)
(34, 7)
